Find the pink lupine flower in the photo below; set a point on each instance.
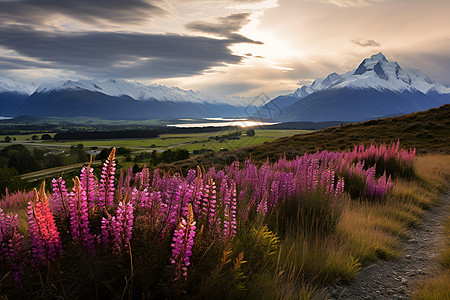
(183, 242)
(106, 188)
(79, 217)
(44, 238)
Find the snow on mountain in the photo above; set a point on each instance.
(378, 73)
(9, 85)
(133, 89)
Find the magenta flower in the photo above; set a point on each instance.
(117, 230)
(183, 242)
(106, 189)
(88, 183)
(79, 217)
(12, 246)
(59, 200)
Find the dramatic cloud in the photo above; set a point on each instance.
(118, 54)
(366, 43)
(109, 11)
(11, 63)
(213, 45)
(225, 27)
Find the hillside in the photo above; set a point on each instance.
(427, 131)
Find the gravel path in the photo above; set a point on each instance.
(395, 279)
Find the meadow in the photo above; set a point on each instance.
(263, 230)
(165, 141)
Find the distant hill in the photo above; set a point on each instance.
(427, 131)
(10, 102)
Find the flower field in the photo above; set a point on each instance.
(207, 234)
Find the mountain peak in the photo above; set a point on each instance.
(376, 72)
(379, 57)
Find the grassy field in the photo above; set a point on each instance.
(192, 141)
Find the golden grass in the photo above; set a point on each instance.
(435, 288)
(320, 260)
(360, 228)
(434, 170)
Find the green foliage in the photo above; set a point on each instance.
(155, 158)
(311, 210)
(226, 281)
(20, 158)
(9, 179)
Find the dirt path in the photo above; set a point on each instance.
(53, 171)
(394, 279)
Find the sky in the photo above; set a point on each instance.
(220, 47)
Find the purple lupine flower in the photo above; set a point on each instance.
(79, 217)
(230, 212)
(209, 202)
(12, 246)
(88, 183)
(182, 244)
(106, 189)
(198, 192)
(59, 200)
(44, 238)
(117, 230)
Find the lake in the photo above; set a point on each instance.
(221, 122)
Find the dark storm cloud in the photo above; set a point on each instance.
(116, 54)
(115, 11)
(225, 27)
(366, 43)
(10, 63)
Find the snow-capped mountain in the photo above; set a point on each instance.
(9, 85)
(13, 94)
(133, 89)
(378, 73)
(376, 88)
(120, 99)
(113, 99)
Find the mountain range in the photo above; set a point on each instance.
(376, 88)
(112, 99)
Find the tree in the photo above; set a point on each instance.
(46, 137)
(8, 139)
(251, 132)
(34, 137)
